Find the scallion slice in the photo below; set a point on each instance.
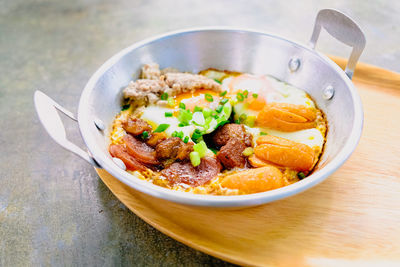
(240, 97)
(182, 105)
(208, 97)
(195, 158)
(161, 128)
(164, 96)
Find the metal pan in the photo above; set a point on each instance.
(229, 49)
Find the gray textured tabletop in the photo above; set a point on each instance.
(54, 210)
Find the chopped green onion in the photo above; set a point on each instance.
(200, 148)
(219, 108)
(207, 112)
(301, 175)
(196, 109)
(182, 105)
(145, 134)
(164, 96)
(248, 151)
(246, 93)
(251, 120)
(180, 134)
(197, 135)
(223, 93)
(240, 97)
(255, 95)
(221, 122)
(208, 97)
(217, 81)
(168, 114)
(263, 133)
(186, 139)
(224, 101)
(182, 124)
(195, 158)
(185, 116)
(161, 128)
(242, 117)
(170, 102)
(125, 107)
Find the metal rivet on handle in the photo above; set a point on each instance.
(294, 64)
(119, 163)
(329, 92)
(99, 124)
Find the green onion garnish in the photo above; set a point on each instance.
(240, 97)
(168, 114)
(251, 120)
(219, 108)
(208, 97)
(200, 148)
(217, 81)
(242, 117)
(182, 105)
(223, 101)
(195, 158)
(207, 112)
(301, 175)
(197, 135)
(125, 107)
(186, 139)
(180, 134)
(182, 124)
(161, 128)
(185, 116)
(196, 109)
(255, 95)
(164, 96)
(223, 93)
(263, 133)
(145, 134)
(248, 151)
(170, 102)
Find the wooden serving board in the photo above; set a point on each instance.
(352, 218)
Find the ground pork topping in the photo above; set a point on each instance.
(154, 82)
(151, 71)
(145, 91)
(187, 82)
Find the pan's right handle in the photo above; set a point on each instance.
(343, 29)
(46, 109)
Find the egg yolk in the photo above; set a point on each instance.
(200, 98)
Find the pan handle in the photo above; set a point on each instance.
(46, 109)
(343, 29)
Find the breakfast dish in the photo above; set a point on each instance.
(216, 132)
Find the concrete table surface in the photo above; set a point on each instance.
(54, 210)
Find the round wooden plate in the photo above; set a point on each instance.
(353, 218)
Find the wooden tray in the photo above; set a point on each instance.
(353, 218)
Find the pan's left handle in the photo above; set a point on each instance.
(46, 109)
(344, 29)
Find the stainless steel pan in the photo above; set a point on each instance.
(231, 49)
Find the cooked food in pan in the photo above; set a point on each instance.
(217, 132)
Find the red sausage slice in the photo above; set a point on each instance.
(140, 150)
(194, 176)
(130, 162)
